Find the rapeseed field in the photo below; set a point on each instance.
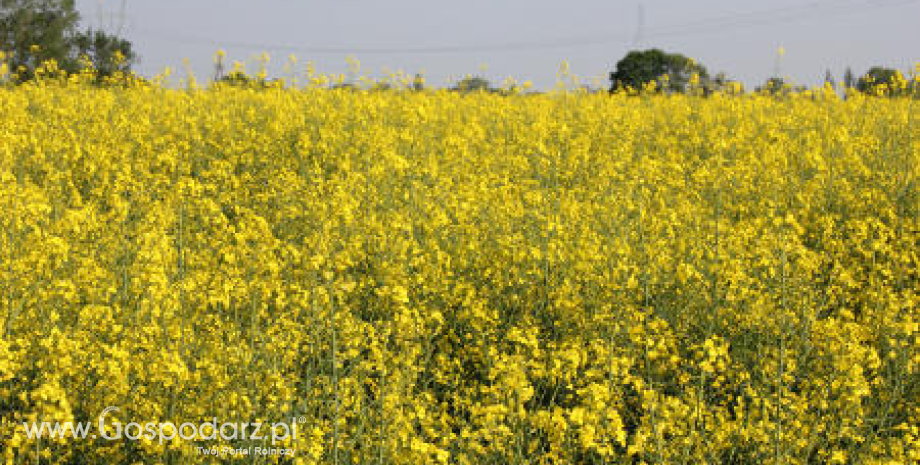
(418, 277)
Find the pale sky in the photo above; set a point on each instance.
(527, 40)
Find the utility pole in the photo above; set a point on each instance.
(640, 27)
(121, 18)
(107, 21)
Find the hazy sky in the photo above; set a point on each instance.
(524, 39)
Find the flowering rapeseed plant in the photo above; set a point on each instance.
(431, 277)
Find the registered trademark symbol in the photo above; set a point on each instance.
(302, 420)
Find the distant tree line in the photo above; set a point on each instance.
(34, 33)
(657, 71)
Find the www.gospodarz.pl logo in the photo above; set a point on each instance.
(162, 432)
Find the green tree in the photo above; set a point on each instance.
(779, 86)
(107, 53)
(35, 31)
(638, 68)
(721, 83)
(880, 80)
(473, 84)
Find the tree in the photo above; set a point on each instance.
(473, 84)
(33, 32)
(849, 81)
(778, 86)
(638, 68)
(722, 83)
(382, 86)
(829, 79)
(880, 80)
(107, 53)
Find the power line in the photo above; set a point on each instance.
(778, 15)
(709, 25)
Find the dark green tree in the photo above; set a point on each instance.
(879, 80)
(638, 68)
(33, 32)
(107, 53)
(778, 86)
(473, 84)
(239, 78)
(721, 83)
